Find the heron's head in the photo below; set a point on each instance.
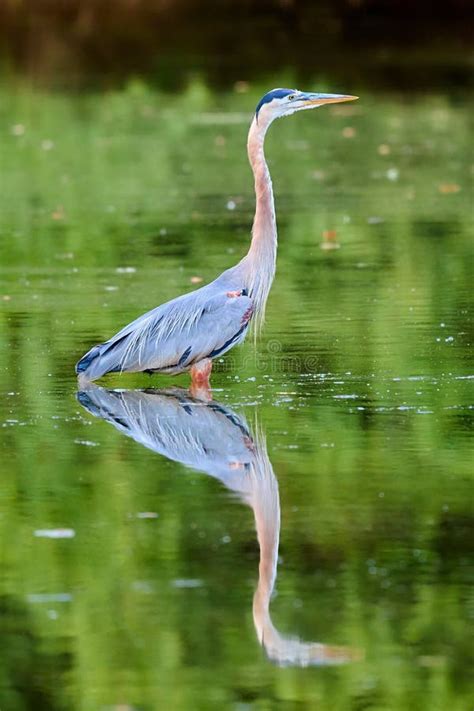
(283, 102)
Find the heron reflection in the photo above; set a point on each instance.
(211, 438)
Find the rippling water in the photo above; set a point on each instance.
(304, 540)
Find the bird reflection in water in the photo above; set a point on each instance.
(211, 438)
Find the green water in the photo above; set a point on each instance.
(361, 387)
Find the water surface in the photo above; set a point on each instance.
(129, 567)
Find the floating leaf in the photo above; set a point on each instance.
(449, 188)
(349, 132)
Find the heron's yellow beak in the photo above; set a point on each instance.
(320, 99)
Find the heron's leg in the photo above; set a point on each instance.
(200, 373)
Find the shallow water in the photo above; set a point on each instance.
(129, 520)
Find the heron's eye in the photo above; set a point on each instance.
(291, 97)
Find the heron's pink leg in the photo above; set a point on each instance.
(200, 373)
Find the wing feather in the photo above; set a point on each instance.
(172, 336)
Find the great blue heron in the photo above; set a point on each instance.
(210, 437)
(185, 334)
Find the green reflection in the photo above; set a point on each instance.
(362, 380)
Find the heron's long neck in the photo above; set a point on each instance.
(265, 502)
(261, 257)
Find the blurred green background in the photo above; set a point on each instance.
(124, 183)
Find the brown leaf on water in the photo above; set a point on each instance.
(196, 280)
(448, 188)
(349, 132)
(58, 213)
(329, 240)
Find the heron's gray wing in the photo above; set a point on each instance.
(202, 324)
